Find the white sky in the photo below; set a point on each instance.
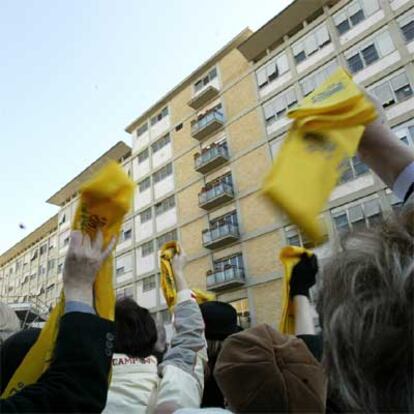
(75, 73)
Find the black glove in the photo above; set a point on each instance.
(303, 275)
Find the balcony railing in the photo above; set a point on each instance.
(209, 123)
(202, 97)
(220, 235)
(216, 195)
(211, 158)
(222, 279)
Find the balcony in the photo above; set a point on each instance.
(211, 158)
(231, 276)
(215, 195)
(220, 235)
(211, 122)
(202, 97)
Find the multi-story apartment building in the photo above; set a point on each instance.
(200, 153)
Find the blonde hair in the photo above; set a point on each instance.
(367, 314)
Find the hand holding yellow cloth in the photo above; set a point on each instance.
(104, 201)
(289, 256)
(169, 289)
(328, 126)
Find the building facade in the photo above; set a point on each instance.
(199, 155)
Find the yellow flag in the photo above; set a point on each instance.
(289, 256)
(327, 128)
(104, 201)
(169, 289)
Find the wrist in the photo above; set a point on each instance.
(82, 294)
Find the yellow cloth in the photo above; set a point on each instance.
(169, 289)
(289, 256)
(328, 126)
(104, 201)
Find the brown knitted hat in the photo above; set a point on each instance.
(261, 370)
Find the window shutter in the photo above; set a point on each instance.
(268, 111)
(322, 36)
(385, 44)
(282, 63)
(370, 6)
(355, 214)
(399, 81)
(383, 93)
(372, 208)
(261, 76)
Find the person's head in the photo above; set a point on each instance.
(365, 302)
(13, 351)
(261, 370)
(9, 322)
(220, 321)
(135, 330)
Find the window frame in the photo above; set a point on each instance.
(149, 283)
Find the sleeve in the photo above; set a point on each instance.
(404, 184)
(77, 379)
(314, 344)
(182, 370)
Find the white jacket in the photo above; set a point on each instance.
(138, 385)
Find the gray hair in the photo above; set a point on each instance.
(9, 322)
(366, 308)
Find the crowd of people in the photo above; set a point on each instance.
(361, 361)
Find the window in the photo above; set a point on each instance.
(310, 83)
(233, 261)
(272, 70)
(406, 23)
(43, 249)
(405, 133)
(62, 219)
(51, 264)
(66, 241)
(243, 313)
(171, 235)
(369, 52)
(148, 284)
(164, 205)
(123, 264)
(142, 156)
(144, 184)
(277, 107)
(354, 13)
(42, 270)
(126, 232)
(160, 116)
(34, 255)
(205, 80)
(353, 168)
(162, 142)
(60, 268)
(314, 41)
(164, 172)
(357, 216)
(126, 292)
(296, 238)
(142, 129)
(146, 215)
(229, 218)
(393, 90)
(147, 248)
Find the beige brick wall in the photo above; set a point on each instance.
(195, 272)
(250, 170)
(182, 139)
(187, 202)
(240, 97)
(232, 66)
(262, 255)
(184, 170)
(267, 302)
(191, 237)
(244, 132)
(178, 104)
(256, 212)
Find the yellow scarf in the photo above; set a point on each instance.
(104, 201)
(169, 289)
(289, 256)
(328, 126)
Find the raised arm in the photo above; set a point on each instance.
(182, 369)
(386, 155)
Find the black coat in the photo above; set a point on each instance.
(77, 379)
